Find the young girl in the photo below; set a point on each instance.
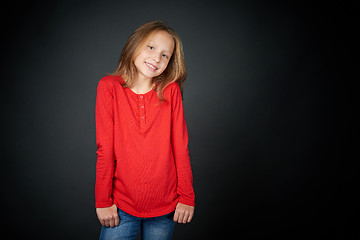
(143, 173)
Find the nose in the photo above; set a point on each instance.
(156, 58)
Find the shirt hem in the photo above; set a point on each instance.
(129, 210)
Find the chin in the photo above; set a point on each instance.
(152, 75)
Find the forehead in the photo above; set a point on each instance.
(163, 40)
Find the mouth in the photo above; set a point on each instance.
(151, 66)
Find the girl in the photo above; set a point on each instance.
(143, 173)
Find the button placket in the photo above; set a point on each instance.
(142, 109)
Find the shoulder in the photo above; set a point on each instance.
(172, 88)
(109, 82)
(109, 79)
(108, 85)
(172, 92)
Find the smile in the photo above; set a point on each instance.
(151, 66)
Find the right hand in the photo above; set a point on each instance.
(108, 216)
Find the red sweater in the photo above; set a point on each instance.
(143, 163)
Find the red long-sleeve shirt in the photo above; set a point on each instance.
(143, 162)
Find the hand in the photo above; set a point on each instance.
(183, 213)
(108, 216)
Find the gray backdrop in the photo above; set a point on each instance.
(268, 104)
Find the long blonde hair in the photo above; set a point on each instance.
(175, 71)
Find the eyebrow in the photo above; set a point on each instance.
(166, 50)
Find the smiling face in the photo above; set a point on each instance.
(155, 55)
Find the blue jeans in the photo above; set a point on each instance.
(156, 228)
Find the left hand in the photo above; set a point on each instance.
(183, 213)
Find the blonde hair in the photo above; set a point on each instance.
(175, 71)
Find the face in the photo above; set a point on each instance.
(154, 57)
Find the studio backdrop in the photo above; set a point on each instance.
(267, 103)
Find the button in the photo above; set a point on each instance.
(141, 96)
(142, 106)
(142, 117)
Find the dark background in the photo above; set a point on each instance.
(269, 104)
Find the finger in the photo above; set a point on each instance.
(181, 217)
(102, 222)
(176, 216)
(112, 222)
(107, 223)
(117, 220)
(190, 217)
(186, 216)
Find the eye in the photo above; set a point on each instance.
(165, 56)
(151, 47)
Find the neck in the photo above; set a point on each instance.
(142, 84)
(142, 80)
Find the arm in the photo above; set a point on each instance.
(105, 208)
(179, 140)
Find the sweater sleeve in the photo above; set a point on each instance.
(179, 141)
(105, 145)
